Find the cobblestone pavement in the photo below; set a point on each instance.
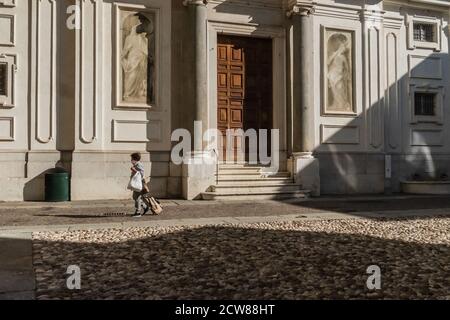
(311, 259)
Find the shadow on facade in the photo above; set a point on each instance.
(352, 159)
(241, 263)
(386, 128)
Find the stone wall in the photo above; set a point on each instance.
(389, 67)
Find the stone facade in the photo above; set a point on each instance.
(348, 78)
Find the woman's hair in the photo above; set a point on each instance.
(136, 156)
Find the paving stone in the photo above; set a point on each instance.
(302, 259)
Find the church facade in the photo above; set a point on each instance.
(354, 92)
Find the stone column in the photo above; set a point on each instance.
(199, 167)
(198, 12)
(304, 166)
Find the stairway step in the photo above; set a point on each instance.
(253, 175)
(251, 180)
(240, 166)
(242, 181)
(249, 189)
(239, 171)
(300, 194)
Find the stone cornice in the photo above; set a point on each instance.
(434, 2)
(394, 22)
(436, 5)
(195, 2)
(301, 8)
(372, 15)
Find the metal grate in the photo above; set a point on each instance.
(114, 214)
(424, 32)
(3, 79)
(424, 104)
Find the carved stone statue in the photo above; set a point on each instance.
(137, 59)
(340, 73)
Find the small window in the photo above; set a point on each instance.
(424, 32)
(424, 104)
(3, 79)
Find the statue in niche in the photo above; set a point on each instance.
(339, 73)
(137, 58)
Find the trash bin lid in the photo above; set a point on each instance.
(57, 172)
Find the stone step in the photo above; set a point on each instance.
(251, 180)
(247, 182)
(299, 194)
(240, 166)
(252, 176)
(240, 171)
(255, 188)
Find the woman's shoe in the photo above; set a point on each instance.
(137, 215)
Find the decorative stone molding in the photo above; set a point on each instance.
(301, 8)
(45, 109)
(8, 3)
(439, 91)
(88, 127)
(8, 35)
(436, 22)
(255, 4)
(195, 2)
(337, 12)
(8, 123)
(393, 22)
(372, 16)
(8, 90)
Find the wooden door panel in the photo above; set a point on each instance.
(236, 95)
(236, 54)
(222, 80)
(223, 115)
(237, 81)
(236, 103)
(222, 53)
(236, 117)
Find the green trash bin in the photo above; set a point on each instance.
(57, 186)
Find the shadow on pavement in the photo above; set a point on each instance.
(362, 204)
(241, 263)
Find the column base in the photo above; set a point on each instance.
(306, 171)
(199, 172)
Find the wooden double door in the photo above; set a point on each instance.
(245, 89)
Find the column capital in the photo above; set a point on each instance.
(301, 8)
(195, 2)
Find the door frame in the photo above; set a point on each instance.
(278, 36)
